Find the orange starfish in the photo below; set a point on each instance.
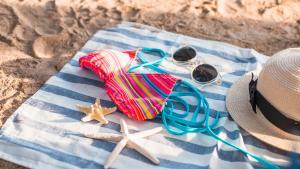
(96, 112)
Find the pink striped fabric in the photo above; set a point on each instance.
(139, 96)
(105, 62)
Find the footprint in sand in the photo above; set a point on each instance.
(131, 14)
(5, 25)
(51, 46)
(24, 33)
(54, 51)
(114, 14)
(7, 20)
(7, 52)
(44, 20)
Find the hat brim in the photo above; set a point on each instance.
(239, 107)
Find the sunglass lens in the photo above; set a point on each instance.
(184, 54)
(204, 73)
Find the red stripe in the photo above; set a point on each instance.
(161, 82)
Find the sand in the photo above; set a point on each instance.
(38, 37)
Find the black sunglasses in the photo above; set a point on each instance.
(201, 73)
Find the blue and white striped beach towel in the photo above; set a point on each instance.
(37, 134)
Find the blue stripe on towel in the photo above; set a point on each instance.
(73, 114)
(74, 62)
(77, 79)
(220, 54)
(249, 140)
(55, 154)
(74, 95)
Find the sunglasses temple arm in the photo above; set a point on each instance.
(219, 79)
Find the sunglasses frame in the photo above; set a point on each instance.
(195, 62)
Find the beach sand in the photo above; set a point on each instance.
(37, 37)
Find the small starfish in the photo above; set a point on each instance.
(96, 112)
(126, 139)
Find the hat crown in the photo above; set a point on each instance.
(279, 82)
(284, 67)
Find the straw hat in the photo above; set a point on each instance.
(276, 99)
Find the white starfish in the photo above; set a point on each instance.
(126, 139)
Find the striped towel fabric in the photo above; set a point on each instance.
(44, 132)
